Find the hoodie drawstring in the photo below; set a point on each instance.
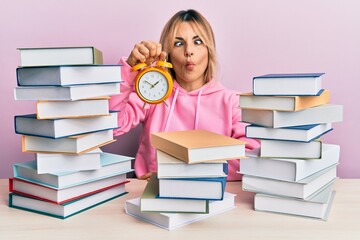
(197, 110)
(171, 110)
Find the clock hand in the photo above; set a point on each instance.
(149, 83)
(152, 86)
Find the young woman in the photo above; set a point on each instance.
(197, 101)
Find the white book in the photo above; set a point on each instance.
(72, 109)
(290, 149)
(66, 93)
(75, 144)
(304, 133)
(192, 188)
(288, 169)
(151, 202)
(65, 210)
(171, 221)
(60, 196)
(288, 84)
(56, 162)
(60, 56)
(63, 127)
(318, 206)
(111, 165)
(298, 189)
(68, 75)
(171, 167)
(327, 113)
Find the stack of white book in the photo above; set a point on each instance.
(72, 121)
(293, 171)
(190, 181)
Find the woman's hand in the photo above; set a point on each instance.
(146, 52)
(146, 176)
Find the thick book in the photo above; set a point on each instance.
(304, 133)
(283, 103)
(318, 206)
(171, 221)
(298, 189)
(193, 146)
(288, 84)
(327, 113)
(67, 209)
(57, 162)
(150, 201)
(288, 169)
(192, 188)
(171, 167)
(72, 109)
(68, 75)
(60, 196)
(111, 165)
(66, 93)
(63, 127)
(60, 56)
(290, 149)
(74, 145)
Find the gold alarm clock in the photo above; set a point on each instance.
(153, 84)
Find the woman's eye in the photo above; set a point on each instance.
(198, 41)
(178, 44)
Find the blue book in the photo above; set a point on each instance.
(192, 188)
(63, 127)
(111, 165)
(288, 84)
(305, 133)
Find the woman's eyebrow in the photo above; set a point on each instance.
(180, 38)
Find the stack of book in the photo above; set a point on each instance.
(293, 170)
(190, 181)
(72, 121)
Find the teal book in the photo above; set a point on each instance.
(67, 209)
(111, 165)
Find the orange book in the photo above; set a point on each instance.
(283, 103)
(195, 146)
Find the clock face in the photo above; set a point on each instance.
(153, 87)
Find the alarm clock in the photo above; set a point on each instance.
(153, 83)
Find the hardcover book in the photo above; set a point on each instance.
(150, 201)
(68, 75)
(195, 146)
(60, 56)
(288, 169)
(171, 221)
(63, 127)
(283, 103)
(288, 84)
(66, 93)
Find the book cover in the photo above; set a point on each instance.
(192, 188)
(172, 221)
(171, 167)
(288, 84)
(63, 127)
(60, 56)
(288, 169)
(66, 93)
(198, 145)
(150, 201)
(327, 113)
(283, 103)
(68, 75)
(111, 165)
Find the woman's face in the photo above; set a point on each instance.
(189, 57)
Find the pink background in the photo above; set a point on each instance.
(254, 37)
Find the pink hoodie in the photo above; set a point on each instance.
(212, 107)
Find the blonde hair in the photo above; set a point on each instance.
(205, 33)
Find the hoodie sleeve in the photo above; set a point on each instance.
(129, 105)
